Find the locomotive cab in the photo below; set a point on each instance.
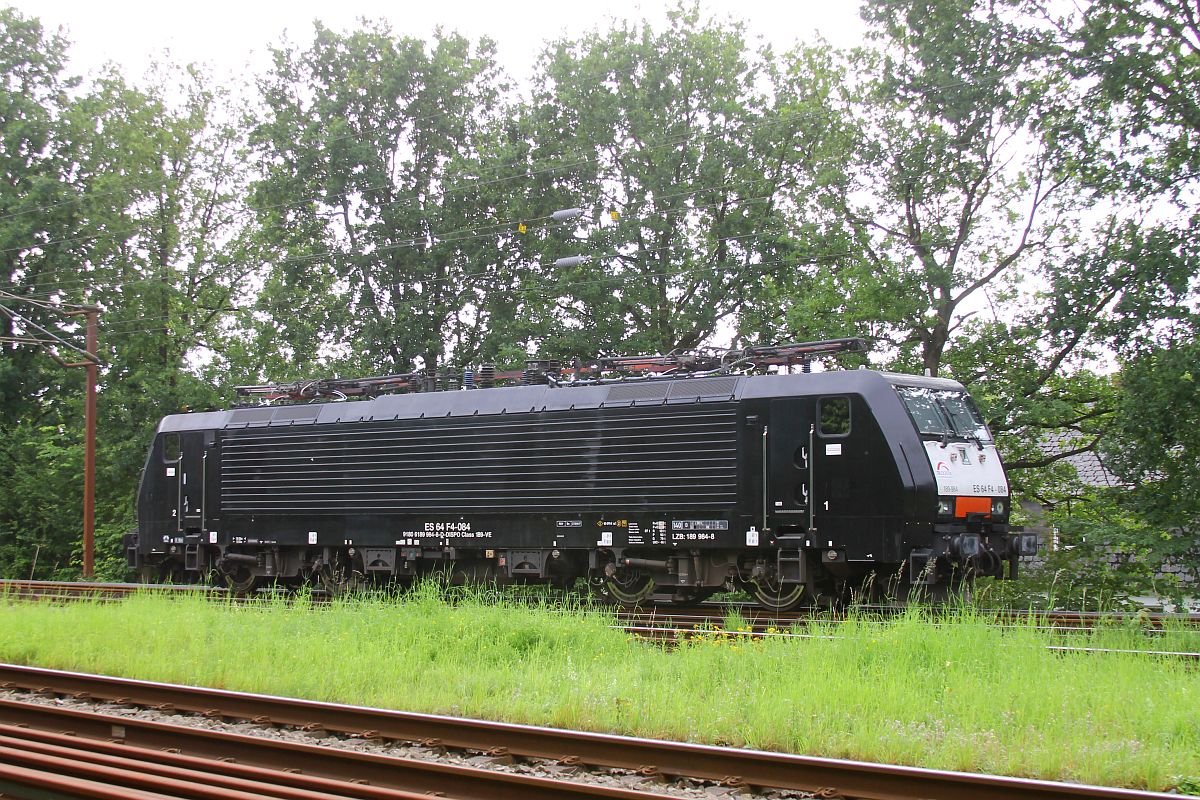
(875, 483)
(971, 535)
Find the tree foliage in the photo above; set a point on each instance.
(1134, 117)
(673, 142)
(1003, 192)
(123, 200)
(381, 243)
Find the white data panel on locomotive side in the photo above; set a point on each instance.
(965, 469)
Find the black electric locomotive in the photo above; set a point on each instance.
(677, 478)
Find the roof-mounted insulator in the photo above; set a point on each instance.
(540, 371)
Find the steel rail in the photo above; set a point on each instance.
(129, 774)
(716, 611)
(70, 589)
(157, 757)
(767, 626)
(732, 766)
(50, 784)
(669, 635)
(709, 612)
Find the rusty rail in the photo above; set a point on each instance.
(707, 613)
(715, 613)
(717, 764)
(173, 759)
(71, 590)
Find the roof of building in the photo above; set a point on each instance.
(1088, 465)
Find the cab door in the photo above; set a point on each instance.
(788, 463)
(833, 460)
(190, 475)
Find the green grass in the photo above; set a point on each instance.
(950, 691)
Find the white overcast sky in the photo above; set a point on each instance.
(233, 36)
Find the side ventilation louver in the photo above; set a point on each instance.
(626, 460)
(251, 416)
(637, 391)
(703, 387)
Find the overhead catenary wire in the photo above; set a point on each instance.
(449, 237)
(540, 266)
(550, 293)
(53, 338)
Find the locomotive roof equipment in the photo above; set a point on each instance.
(601, 370)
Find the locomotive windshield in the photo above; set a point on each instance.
(942, 412)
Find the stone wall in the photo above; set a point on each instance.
(1173, 570)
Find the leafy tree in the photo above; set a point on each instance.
(1127, 127)
(944, 201)
(1154, 445)
(673, 142)
(36, 203)
(1133, 120)
(379, 260)
(37, 209)
(135, 216)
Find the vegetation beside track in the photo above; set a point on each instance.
(950, 691)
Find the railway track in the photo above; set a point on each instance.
(669, 635)
(708, 614)
(49, 746)
(102, 755)
(670, 625)
(715, 612)
(77, 590)
(667, 624)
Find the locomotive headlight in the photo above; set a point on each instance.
(999, 507)
(945, 506)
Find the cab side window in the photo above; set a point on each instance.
(833, 414)
(171, 451)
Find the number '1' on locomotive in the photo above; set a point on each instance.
(677, 478)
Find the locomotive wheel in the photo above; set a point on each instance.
(240, 580)
(149, 573)
(344, 575)
(628, 587)
(683, 597)
(782, 597)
